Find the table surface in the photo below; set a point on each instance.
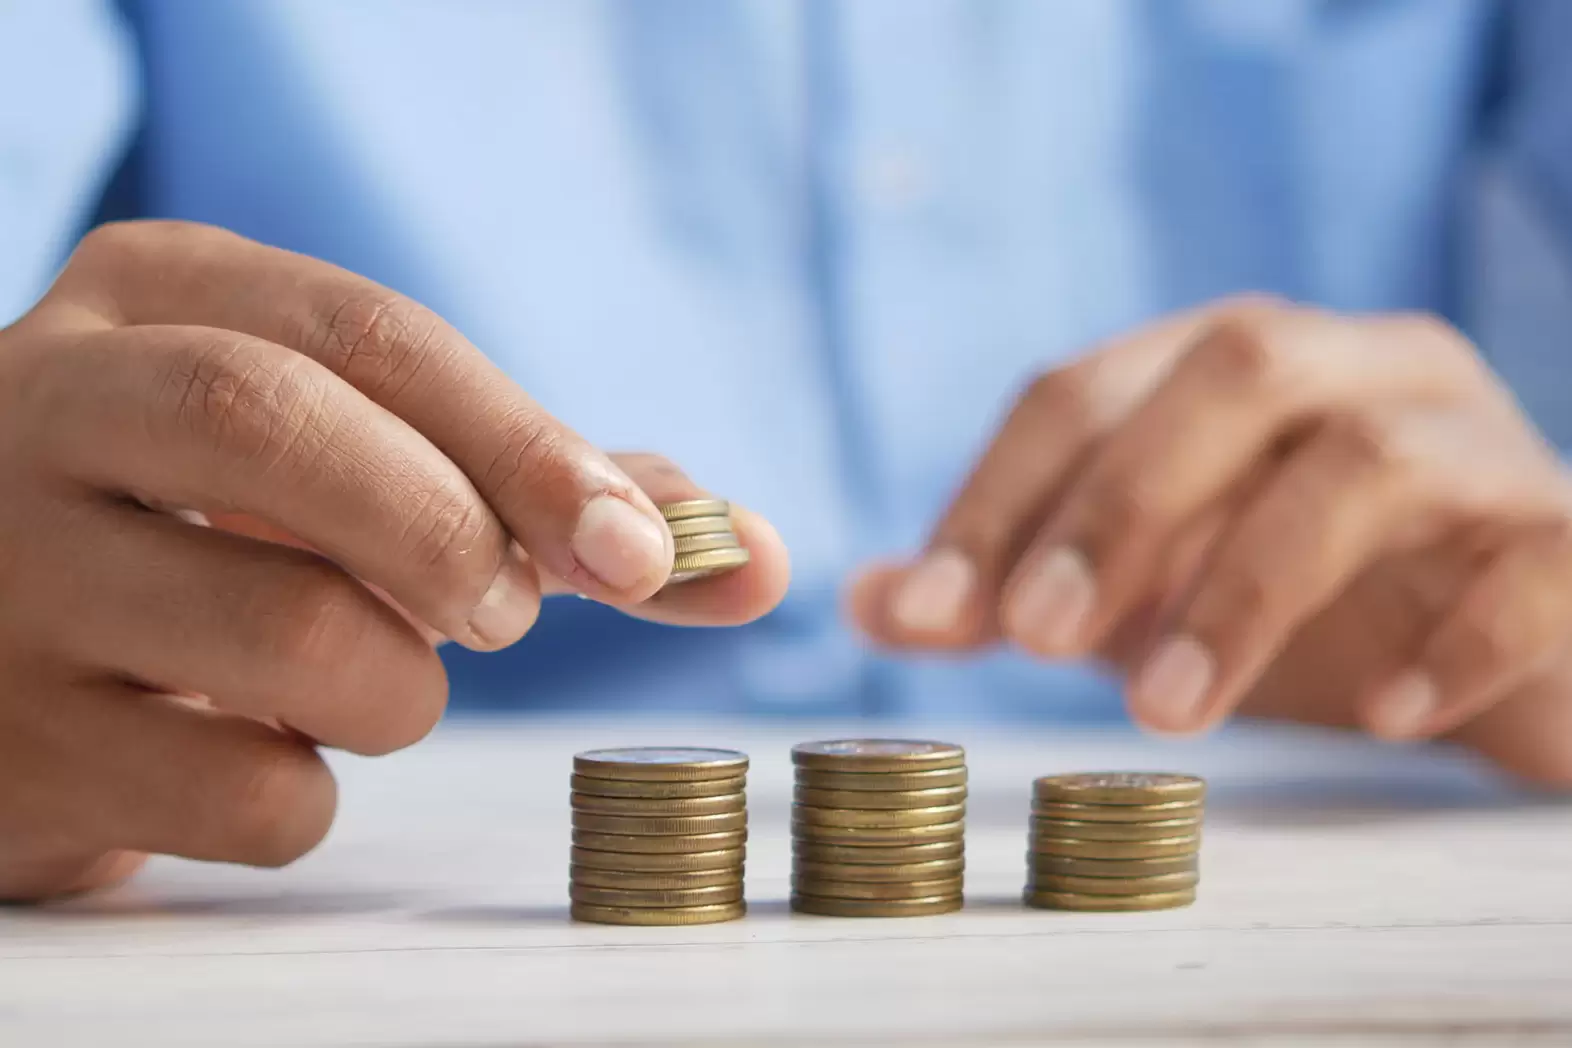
(1351, 894)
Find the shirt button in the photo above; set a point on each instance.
(892, 179)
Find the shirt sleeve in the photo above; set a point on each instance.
(68, 74)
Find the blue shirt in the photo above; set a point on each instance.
(808, 249)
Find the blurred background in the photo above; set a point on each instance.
(810, 250)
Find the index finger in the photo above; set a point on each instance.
(578, 516)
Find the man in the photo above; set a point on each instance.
(806, 250)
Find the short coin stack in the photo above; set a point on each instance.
(705, 541)
(877, 828)
(1115, 841)
(659, 836)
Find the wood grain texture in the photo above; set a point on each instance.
(1350, 894)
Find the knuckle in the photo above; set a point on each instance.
(1363, 442)
(378, 341)
(1239, 595)
(1113, 509)
(1060, 394)
(447, 526)
(1238, 351)
(533, 452)
(251, 407)
(284, 805)
(1480, 642)
(319, 615)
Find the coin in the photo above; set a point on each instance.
(1118, 812)
(1116, 831)
(877, 755)
(704, 543)
(652, 916)
(1065, 864)
(726, 859)
(876, 907)
(657, 790)
(1076, 901)
(820, 889)
(897, 855)
(656, 825)
(1168, 846)
(722, 893)
(661, 764)
(1119, 787)
(690, 508)
(685, 567)
(686, 526)
(877, 818)
(880, 799)
(878, 782)
(722, 805)
(657, 844)
(935, 869)
(878, 836)
(664, 882)
(1162, 882)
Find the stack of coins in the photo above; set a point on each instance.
(706, 544)
(1115, 841)
(878, 828)
(658, 836)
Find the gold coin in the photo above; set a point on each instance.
(871, 890)
(877, 818)
(876, 907)
(686, 526)
(935, 869)
(662, 882)
(657, 825)
(897, 855)
(877, 755)
(1138, 868)
(1077, 901)
(724, 859)
(653, 916)
(658, 790)
(661, 764)
(722, 893)
(705, 543)
(878, 782)
(1167, 847)
(878, 836)
(1118, 812)
(865, 800)
(690, 508)
(655, 844)
(685, 567)
(1116, 831)
(1162, 882)
(1119, 787)
(722, 805)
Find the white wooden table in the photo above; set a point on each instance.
(1351, 894)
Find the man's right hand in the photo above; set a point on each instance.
(163, 685)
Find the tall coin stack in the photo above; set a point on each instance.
(658, 836)
(1115, 841)
(878, 828)
(705, 542)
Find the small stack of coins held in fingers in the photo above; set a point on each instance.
(659, 836)
(706, 544)
(1115, 841)
(877, 828)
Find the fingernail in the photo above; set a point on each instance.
(1403, 708)
(935, 592)
(1171, 688)
(1051, 604)
(619, 545)
(510, 606)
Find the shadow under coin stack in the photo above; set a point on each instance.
(705, 542)
(1115, 841)
(878, 828)
(659, 836)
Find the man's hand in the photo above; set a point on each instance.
(163, 685)
(1335, 519)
